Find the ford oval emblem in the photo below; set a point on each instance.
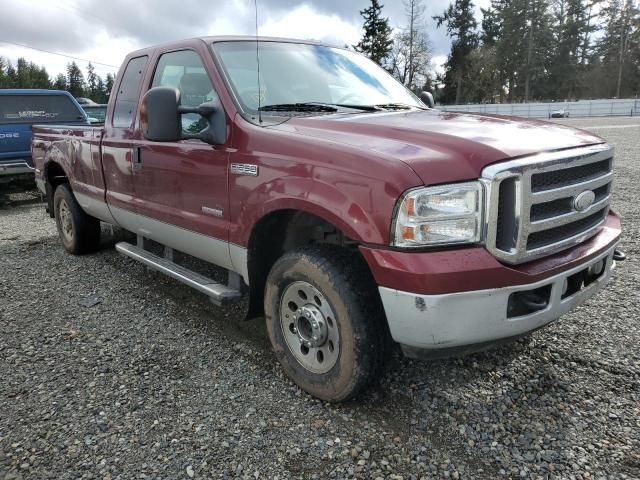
(584, 200)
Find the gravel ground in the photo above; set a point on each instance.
(155, 382)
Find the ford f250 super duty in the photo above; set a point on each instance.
(19, 109)
(351, 214)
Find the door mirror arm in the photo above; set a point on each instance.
(216, 131)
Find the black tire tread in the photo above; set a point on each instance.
(86, 227)
(350, 274)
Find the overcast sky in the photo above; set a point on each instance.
(104, 31)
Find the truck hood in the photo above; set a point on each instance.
(441, 146)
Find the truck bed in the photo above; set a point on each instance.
(74, 148)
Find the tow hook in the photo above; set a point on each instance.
(619, 256)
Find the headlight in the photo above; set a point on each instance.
(439, 215)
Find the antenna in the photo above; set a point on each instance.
(255, 4)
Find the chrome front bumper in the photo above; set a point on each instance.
(434, 322)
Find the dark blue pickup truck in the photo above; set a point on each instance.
(19, 111)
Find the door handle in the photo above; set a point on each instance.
(136, 159)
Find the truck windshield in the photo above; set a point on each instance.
(294, 77)
(38, 109)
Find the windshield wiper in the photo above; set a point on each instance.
(299, 107)
(322, 107)
(366, 108)
(317, 107)
(398, 106)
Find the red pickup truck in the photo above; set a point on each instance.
(351, 213)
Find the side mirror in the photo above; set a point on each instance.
(427, 99)
(160, 118)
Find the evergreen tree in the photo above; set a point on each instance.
(524, 47)
(461, 27)
(23, 74)
(3, 73)
(11, 76)
(376, 41)
(618, 49)
(491, 27)
(60, 83)
(39, 77)
(92, 83)
(571, 23)
(75, 80)
(101, 95)
(108, 85)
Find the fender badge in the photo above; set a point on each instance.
(216, 212)
(244, 169)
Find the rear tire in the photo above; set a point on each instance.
(78, 231)
(325, 321)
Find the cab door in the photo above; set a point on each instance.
(119, 134)
(180, 188)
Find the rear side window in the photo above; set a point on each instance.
(185, 71)
(38, 109)
(127, 99)
(97, 112)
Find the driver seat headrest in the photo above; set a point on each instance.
(194, 88)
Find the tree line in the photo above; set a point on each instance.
(520, 50)
(29, 75)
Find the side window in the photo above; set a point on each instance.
(127, 99)
(185, 71)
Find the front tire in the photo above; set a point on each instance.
(78, 231)
(325, 321)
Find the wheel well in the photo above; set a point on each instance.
(278, 233)
(55, 175)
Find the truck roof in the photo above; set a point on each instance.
(33, 91)
(227, 38)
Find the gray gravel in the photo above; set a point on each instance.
(154, 382)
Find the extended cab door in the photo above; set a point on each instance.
(119, 134)
(180, 188)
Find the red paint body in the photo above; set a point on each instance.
(349, 169)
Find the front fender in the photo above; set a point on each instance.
(364, 217)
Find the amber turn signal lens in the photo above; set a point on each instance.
(410, 205)
(408, 233)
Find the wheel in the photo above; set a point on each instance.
(325, 321)
(79, 232)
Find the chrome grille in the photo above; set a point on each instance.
(569, 176)
(530, 208)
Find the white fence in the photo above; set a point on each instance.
(583, 108)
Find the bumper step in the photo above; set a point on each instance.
(218, 292)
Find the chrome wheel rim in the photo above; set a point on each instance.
(66, 225)
(309, 327)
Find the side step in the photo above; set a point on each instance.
(218, 292)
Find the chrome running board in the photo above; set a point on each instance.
(218, 292)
